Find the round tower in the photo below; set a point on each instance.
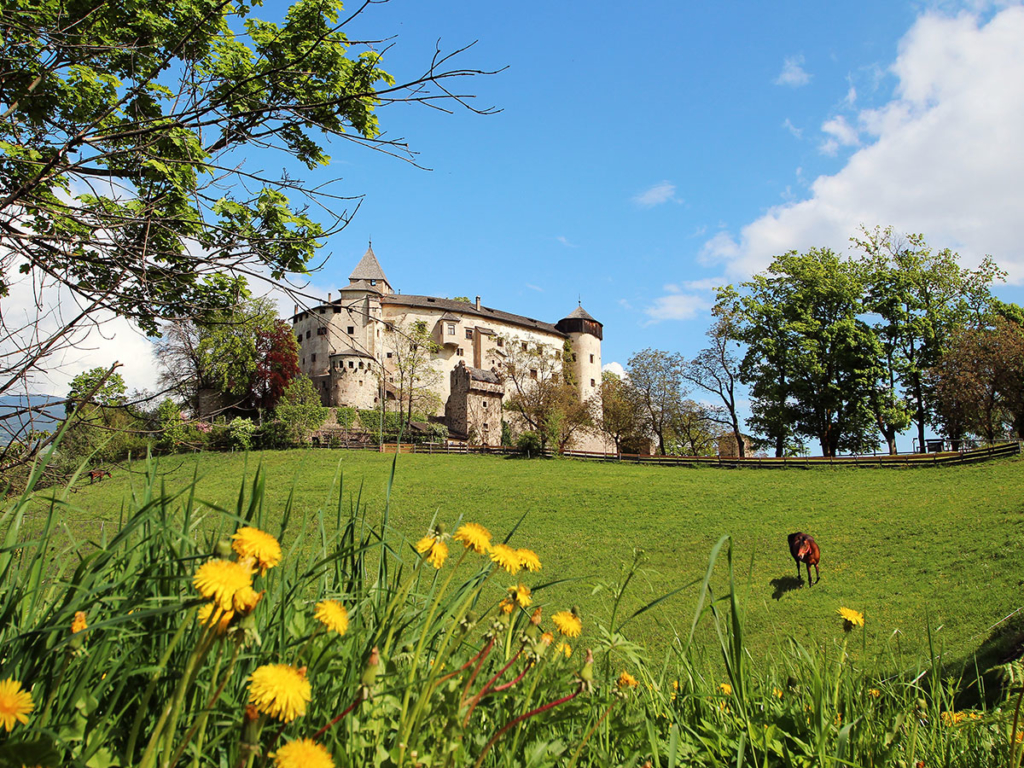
(585, 334)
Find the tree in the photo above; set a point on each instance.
(810, 361)
(412, 368)
(540, 396)
(920, 299)
(133, 137)
(717, 369)
(301, 408)
(657, 378)
(696, 428)
(97, 387)
(621, 416)
(966, 386)
(246, 353)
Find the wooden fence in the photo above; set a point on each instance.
(903, 460)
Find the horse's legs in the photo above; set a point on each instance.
(799, 576)
(816, 573)
(809, 582)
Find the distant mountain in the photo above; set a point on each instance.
(41, 421)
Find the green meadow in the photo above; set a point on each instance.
(914, 550)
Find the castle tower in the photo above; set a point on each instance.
(369, 270)
(585, 334)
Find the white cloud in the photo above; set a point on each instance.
(944, 155)
(615, 368)
(793, 73)
(565, 241)
(663, 192)
(533, 287)
(676, 306)
(841, 134)
(797, 132)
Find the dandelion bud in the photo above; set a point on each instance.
(535, 618)
(586, 675)
(369, 675)
(223, 548)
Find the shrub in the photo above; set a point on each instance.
(275, 435)
(528, 443)
(301, 409)
(345, 417)
(242, 432)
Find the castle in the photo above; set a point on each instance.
(362, 346)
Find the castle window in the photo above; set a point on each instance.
(391, 379)
(351, 329)
(389, 355)
(321, 331)
(591, 358)
(469, 333)
(351, 364)
(360, 363)
(299, 337)
(501, 342)
(373, 282)
(312, 358)
(451, 329)
(593, 383)
(524, 346)
(307, 334)
(533, 373)
(459, 351)
(485, 426)
(337, 310)
(484, 403)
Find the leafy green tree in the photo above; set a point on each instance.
(412, 370)
(621, 414)
(810, 360)
(127, 168)
(97, 387)
(919, 299)
(301, 408)
(656, 376)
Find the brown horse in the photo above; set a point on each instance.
(805, 550)
(97, 474)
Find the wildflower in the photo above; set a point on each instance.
(507, 605)
(568, 623)
(725, 688)
(474, 536)
(626, 680)
(332, 615)
(252, 542)
(528, 559)
(547, 638)
(219, 580)
(222, 618)
(675, 685)
(838, 720)
(506, 557)
(434, 547)
(535, 618)
(520, 594)
(280, 690)
(245, 600)
(79, 623)
(874, 692)
(303, 753)
(777, 693)
(15, 704)
(851, 618)
(565, 648)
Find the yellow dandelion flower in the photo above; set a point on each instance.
(257, 544)
(507, 605)
(838, 719)
(506, 557)
(568, 623)
(245, 600)
(303, 753)
(529, 560)
(851, 618)
(520, 594)
(725, 688)
(332, 615)
(435, 548)
(280, 690)
(777, 693)
(564, 647)
(675, 685)
(626, 680)
(79, 623)
(15, 704)
(874, 692)
(222, 618)
(474, 536)
(219, 580)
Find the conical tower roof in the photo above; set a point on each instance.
(579, 313)
(368, 268)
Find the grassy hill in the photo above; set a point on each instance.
(908, 548)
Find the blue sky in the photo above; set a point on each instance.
(646, 152)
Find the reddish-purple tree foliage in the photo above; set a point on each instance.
(277, 363)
